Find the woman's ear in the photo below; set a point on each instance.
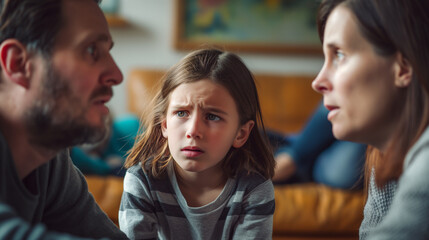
(14, 62)
(243, 134)
(404, 71)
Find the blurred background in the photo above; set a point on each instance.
(146, 35)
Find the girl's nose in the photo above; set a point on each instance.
(195, 128)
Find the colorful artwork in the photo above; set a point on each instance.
(258, 24)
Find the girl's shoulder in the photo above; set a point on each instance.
(248, 181)
(145, 177)
(139, 178)
(252, 190)
(138, 172)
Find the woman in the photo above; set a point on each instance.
(375, 84)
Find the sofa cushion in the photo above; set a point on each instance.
(317, 209)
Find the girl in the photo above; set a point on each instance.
(201, 170)
(375, 84)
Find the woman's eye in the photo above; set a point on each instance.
(339, 55)
(213, 117)
(181, 114)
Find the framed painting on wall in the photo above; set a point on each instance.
(264, 26)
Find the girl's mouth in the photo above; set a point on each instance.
(191, 151)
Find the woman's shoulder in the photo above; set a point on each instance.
(416, 166)
(419, 151)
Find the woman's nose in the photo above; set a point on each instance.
(321, 83)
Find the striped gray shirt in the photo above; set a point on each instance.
(155, 209)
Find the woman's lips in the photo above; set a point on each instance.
(333, 110)
(192, 151)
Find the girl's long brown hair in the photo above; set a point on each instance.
(226, 69)
(394, 26)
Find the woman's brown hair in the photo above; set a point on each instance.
(394, 26)
(226, 69)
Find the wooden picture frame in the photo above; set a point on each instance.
(257, 26)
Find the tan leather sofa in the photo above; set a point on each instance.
(303, 211)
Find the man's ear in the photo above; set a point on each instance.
(14, 62)
(243, 134)
(164, 128)
(404, 71)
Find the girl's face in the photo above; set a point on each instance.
(360, 89)
(201, 125)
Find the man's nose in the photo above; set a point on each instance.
(112, 74)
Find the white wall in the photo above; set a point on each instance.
(147, 43)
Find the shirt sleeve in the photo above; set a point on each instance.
(13, 227)
(70, 207)
(408, 215)
(256, 220)
(137, 215)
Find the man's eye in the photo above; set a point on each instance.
(213, 117)
(92, 50)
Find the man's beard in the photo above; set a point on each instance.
(57, 119)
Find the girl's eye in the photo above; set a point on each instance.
(340, 55)
(213, 117)
(181, 114)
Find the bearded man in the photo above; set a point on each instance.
(56, 76)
